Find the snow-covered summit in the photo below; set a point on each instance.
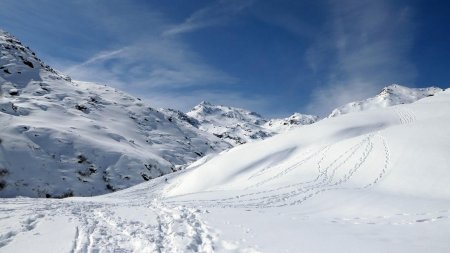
(391, 95)
(296, 119)
(19, 64)
(206, 111)
(238, 126)
(60, 137)
(234, 125)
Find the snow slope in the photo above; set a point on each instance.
(370, 181)
(61, 137)
(238, 126)
(391, 95)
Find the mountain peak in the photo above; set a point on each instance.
(238, 126)
(391, 95)
(19, 64)
(295, 120)
(205, 103)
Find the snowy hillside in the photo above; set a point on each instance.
(60, 137)
(370, 181)
(391, 95)
(238, 126)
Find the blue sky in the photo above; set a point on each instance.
(273, 57)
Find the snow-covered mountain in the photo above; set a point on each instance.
(391, 95)
(61, 137)
(296, 119)
(372, 181)
(238, 126)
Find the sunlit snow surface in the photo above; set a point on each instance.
(60, 137)
(371, 181)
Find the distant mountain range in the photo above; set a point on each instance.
(238, 126)
(61, 137)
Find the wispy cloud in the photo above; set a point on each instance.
(147, 64)
(102, 56)
(143, 61)
(368, 43)
(164, 69)
(215, 14)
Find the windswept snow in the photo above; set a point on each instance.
(370, 181)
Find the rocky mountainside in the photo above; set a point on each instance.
(391, 95)
(238, 126)
(60, 137)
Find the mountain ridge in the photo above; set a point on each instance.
(238, 126)
(61, 137)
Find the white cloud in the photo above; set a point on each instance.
(152, 62)
(368, 44)
(214, 14)
(164, 71)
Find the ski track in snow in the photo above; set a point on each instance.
(350, 161)
(178, 225)
(144, 219)
(406, 116)
(347, 163)
(100, 229)
(29, 220)
(177, 230)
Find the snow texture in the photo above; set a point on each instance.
(61, 137)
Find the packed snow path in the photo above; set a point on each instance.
(107, 224)
(84, 225)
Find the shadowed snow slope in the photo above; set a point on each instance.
(391, 95)
(371, 181)
(60, 137)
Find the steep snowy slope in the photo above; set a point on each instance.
(238, 126)
(371, 181)
(391, 95)
(413, 139)
(60, 137)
